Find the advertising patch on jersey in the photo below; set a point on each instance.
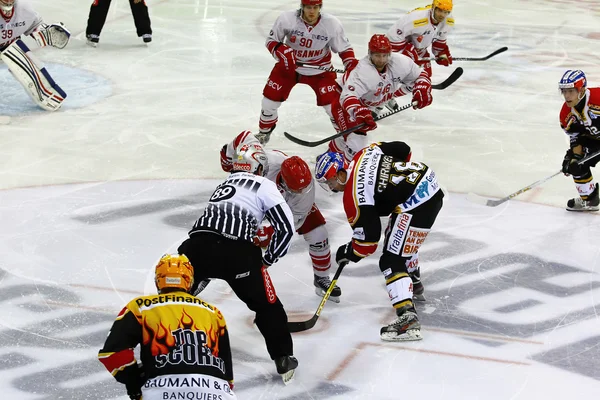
(420, 38)
(420, 22)
(359, 233)
(414, 239)
(398, 233)
(293, 39)
(365, 177)
(398, 32)
(350, 87)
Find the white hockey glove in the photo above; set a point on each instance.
(52, 35)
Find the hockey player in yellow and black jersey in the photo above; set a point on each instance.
(185, 350)
(382, 181)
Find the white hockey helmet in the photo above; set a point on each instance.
(251, 158)
(6, 6)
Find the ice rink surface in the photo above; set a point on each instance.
(93, 194)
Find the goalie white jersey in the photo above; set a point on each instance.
(312, 44)
(299, 203)
(24, 21)
(373, 88)
(416, 27)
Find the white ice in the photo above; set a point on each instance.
(95, 193)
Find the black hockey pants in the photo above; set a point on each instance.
(240, 264)
(99, 11)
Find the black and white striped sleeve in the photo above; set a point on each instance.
(282, 221)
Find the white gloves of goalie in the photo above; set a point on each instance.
(52, 35)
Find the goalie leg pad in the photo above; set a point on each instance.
(33, 76)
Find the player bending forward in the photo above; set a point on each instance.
(378, 78)
(580, 119)
(189, 359)
(294, 181)
(303, 37)
(427, 26)
(18, 19)
(382, 181)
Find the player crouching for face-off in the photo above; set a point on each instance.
(303, 37)
(378, 78)
(189, 359)
(580, 119)
(408, 192)
(18, 19)
(294, 181)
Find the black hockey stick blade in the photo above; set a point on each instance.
(316, 143)
(306, 325)
(457, 73)
(492, 54)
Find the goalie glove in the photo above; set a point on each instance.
(52, 35)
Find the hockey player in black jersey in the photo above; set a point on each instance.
(220, 245)
(382, 181)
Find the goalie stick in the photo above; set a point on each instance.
(437, 86)
(347, 131)
(493, 203)
(492, 54)
(300, 326)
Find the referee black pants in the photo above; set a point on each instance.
(240, 264)
(99, 11)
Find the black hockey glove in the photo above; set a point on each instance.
(570, 165)
(135, 383)
(345, 254)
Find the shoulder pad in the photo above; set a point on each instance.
(420, 22)
(450, 21)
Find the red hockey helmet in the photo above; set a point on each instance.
(312, 3)
(295, 174)
(379, 44)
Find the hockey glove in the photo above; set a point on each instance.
(263, 236)
(422, 91)
(226, 162)
(285, 54)
(361, 115)
(440, 50)
(410, 52)
(570, 165)
(135, 383)
(345, 254)
(52, 35)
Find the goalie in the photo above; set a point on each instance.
(18, 19)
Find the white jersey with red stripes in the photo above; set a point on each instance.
(299, 203)
(23, 21)
(372, 88)
(416, 27)
(312, 44)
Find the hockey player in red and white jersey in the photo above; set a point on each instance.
(303, 37)
(294, 180)
(427, 26)
(377, 79)
(580, 119)
(18, 19)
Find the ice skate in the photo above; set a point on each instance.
(147, 38)
(264, 136)
(591, 204)
(322, 284)
(406, 327)
(286, 367)
(92, 40)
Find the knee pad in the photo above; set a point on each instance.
(37, 82)
(269, 106)
(318, 238)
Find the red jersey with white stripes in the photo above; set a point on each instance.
(582, 122)
(312, 44)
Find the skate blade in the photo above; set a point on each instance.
(584, 209)
(321, 293)
(419, 297)
(288, 377)
(408, 336)
(92, 44)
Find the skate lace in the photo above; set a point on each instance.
(324, 281)
(403, 319)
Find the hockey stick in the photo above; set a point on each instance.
(347, 131)
(437, 86)
(300, 326)
(493, 203)
(492, 54)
